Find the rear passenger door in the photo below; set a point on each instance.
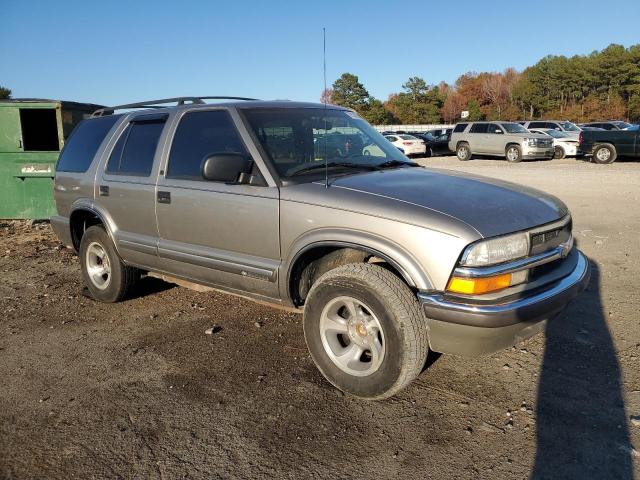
(125, 188)
(222, 234)
(478, 138)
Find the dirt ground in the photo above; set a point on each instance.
(138, 390)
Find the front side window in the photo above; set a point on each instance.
(493, 128)
(541, 125)
(135, 150)
(303, 140)
(514, 128)
(199, 135)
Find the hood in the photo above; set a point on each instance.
(491, 207)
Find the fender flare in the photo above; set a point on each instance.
(391, 252)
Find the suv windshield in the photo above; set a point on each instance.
(569, 127)
(514, 128)
(300, 140)
(556, 133)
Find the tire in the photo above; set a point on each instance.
(105, 275)
(428, 152)
(463, 152)
(559, 153)
(513, 153)
(604, 154)
(388, 320)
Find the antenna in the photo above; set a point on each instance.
(324, 73)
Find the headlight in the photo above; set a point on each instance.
(496, 250)
(530, 142)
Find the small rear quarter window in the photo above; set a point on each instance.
(460, 127)
(83, 144)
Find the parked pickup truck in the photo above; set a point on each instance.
(387, 260)
(604, 146)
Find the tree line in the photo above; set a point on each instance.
(602, 85)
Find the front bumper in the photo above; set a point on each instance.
(481, 329)
(537, 152)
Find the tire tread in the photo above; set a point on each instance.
(408, 312)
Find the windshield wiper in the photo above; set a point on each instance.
(322, 165)
(395, 163)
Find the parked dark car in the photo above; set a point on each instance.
(604, 146)
(608, 125)
(436, 145)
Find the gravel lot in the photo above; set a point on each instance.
(138, 390)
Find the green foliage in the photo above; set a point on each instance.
(4, 93)
(349, 92)
(419, 103)
(475, 113)
(376, 114)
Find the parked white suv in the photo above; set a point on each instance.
(500, 139)
(560, 125)
(564, 145)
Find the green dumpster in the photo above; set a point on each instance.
(32, 133)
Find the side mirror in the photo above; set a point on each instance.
(225, 167)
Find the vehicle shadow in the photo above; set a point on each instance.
(582, 429)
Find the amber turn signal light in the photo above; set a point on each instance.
(478, 286)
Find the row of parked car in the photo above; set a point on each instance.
(515, 141)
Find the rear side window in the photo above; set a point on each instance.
(136, 148)
(199, 135)
(83, 144)
(479, 128)
(460, 127)
(541, 125)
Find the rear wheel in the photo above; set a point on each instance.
(604, 154)
(365, 330)
(105, 275)
(558, 153)
(463, 153)
(513, 153)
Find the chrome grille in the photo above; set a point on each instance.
(543, 241)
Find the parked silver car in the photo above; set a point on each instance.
(278, 202)
(500, 139)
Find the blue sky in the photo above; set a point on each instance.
(121, 51)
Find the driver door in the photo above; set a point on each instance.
(221, 234)
(496, 142)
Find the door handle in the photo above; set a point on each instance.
(164, 197)
(104, 190)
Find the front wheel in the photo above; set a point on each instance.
(558, 153)
(604, 154)
(365, 330)
(513, 153)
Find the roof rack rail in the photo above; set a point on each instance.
(158, 103)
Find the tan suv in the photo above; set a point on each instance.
(501, 139)
(307, 206)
